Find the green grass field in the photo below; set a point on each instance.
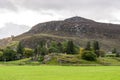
(59, 73)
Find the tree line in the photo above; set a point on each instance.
(90, 52)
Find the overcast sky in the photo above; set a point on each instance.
(31, 12)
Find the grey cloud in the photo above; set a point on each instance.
(7, 4)
(89, 8)
(12, 29)
(63, 4)
(95, 9)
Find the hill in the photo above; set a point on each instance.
(78, 29)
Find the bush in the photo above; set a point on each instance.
(28, 52)
(41, 58)
(89, 55)
(53, 49)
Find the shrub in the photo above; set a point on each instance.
(41, 58)
(89, 55)
(53, 49)
(28, 52)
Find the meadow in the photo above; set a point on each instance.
(59, 72)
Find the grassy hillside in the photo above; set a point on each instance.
(77, 29)
(32, 40)
(59, 73)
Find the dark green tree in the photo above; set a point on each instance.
(70, 48)
(20, 49)
(42, 43)
(9, 54)
(60, 47)
(96, 48)
(41, 50)
(88, 46)
(36, 53)
(96, 45)
(56, 47)
(114, 51)
(53, 47)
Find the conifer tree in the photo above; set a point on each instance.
(88, 46)
(20, 49)
(70, 48)
(96, 48)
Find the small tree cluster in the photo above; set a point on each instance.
(56, 47)
(72, 48)
(20, 50)
(96, 48)
(8, 54)
(41, 50)
(91, 52)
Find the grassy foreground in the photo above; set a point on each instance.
(59, 73)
